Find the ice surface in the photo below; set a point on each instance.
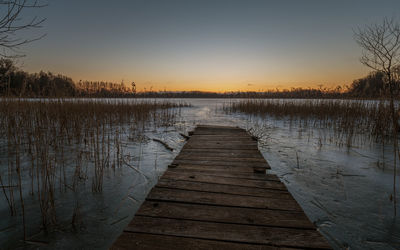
(344, 191)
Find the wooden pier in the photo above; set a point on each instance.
(217, 195)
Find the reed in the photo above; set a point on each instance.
(348, 120)
(52, 146)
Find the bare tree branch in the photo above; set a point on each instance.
(381, 51)
(381, 46)
(12, 24)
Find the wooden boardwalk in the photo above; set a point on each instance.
(217, 195)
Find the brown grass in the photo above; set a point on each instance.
(55, 144)
(345, 118)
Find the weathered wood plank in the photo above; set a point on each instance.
(220, 131)
(222, 188)
(239, 175)
(145, 241)
(226, 147)
(221, 146)
(264, 217)
(222, 138)
(216, 132)
(276, 236)
(228, 154)
(202, 126)
(208, 198)
(222, 163)
(224, 180)
(225, 169)
(217, 159)
(241, 152)
(213, 144)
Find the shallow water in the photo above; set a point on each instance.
(344, 191)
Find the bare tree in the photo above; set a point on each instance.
(12, 24)
(381, 52)
(133, 90)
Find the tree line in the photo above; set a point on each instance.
(18, 83)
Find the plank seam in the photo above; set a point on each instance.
(275, 189)
(230, 223)
(214, 192)
(220, 240)
(249, 149)
(255, 196)
(220, 205)
(214, 175)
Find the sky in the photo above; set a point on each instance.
(207, 45)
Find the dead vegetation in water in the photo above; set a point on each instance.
(348, 120)
(52, 146)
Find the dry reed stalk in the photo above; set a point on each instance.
(48, 133)
(347, 120)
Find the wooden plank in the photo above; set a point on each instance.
(220, 131)
(213, 144)
(287, 237)
(241, 152)
(218, 158)
(222, 138)
(233, 137)
(223, 214)
(185, 176)
(222, 163)
(225, 169)
(220, 146)
(145, 241)
(201, 126)
(221, 153)
(227, 189)
(216, 132)
(239, 175)
(208, 198)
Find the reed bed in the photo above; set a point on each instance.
(52, 146)
(346, 119)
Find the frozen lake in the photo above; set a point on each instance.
(344, 191)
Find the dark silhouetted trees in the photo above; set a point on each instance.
(373, 86)
(17, 83)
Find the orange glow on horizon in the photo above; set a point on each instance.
(216, 75)
(232, 85)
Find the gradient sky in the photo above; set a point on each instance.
(224, 45)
